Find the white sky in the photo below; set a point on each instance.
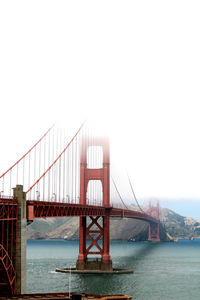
(134, 65)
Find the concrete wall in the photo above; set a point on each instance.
(21, 240)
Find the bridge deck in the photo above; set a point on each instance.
(42, 209)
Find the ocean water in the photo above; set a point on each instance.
(161, 271)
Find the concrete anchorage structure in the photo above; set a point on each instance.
(21, 240)
(101, 224)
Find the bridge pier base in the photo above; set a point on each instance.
(94, 264)
(21, 240)
(154, 233)
(93, 231)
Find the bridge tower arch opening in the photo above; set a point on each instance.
(94, 193)
(97, 228)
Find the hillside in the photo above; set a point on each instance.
(120, 229)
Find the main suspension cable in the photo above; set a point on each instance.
(118, 193)
(134, 194)
(58, 157)
(28, 151)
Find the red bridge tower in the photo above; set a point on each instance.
(154, 228)
(98, 227)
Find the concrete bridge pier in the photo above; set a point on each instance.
(21, 240)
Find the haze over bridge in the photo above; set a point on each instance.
(62, 176)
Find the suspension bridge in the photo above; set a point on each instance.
(62, 175)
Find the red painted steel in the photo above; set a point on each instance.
(42, 209)
(102, 174)
(8, 232)
(154, 228)
(28, 151)
(126, 213)
(94, 235)
(49, 168)
(97, 228)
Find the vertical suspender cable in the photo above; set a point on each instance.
(119, 193)
(78, 159)
(38, 184)
(2, 185)
(64, 170)
(92, 165)
(44, 149)
(75, 154)
(134, 194)
(10, 180)
(60, 169)
(53, 171)
(29, 172)
(49, 173)
(56, 168)
(28, 151)
(17, 174)
(23, 171)
(68, 174)
(34, 169)
(72, 168)
(58, 157)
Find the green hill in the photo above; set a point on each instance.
(120, 229)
